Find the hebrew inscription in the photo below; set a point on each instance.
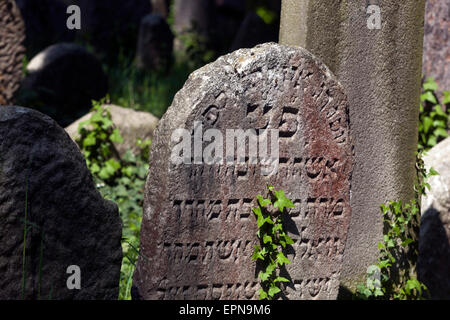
(272, 115)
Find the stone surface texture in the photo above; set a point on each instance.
(132, 125)
(436, 44)
(45, 182)
(198, 228)
(434, 244)
(66, 78)
(12, 51)
(380, 70)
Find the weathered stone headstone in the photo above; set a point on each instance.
(380, 69)
(254, 31)
(192, 17)
(64, 79)
(12, 51)
(155, 43)
(132, 125)
(436, 48)
(47, 192)
(434, 244)
(111, 25)
(198, 228)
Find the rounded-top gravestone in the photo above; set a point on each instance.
(271, 115)
(59, 239)
(63, 80)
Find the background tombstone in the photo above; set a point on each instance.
(192, 18)
(434, 245)
(63, 80)
(198, 229)
(12, 51)
(436, 48)
(380, 70)
(45, 182)
(155, 43)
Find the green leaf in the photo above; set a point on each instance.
(446, 99)
(407, 242)
(89, 140)
(430, 84)
(282, 201)
(263, 202)
(281, 259)
(440, 132)
(267, 239)
(428, 96)
(281, 279)
(262, 294)
(273, 291)
(116, 137)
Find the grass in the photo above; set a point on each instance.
(149, 91)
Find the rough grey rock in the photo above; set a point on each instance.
(45, 182)
(132, 125)
(155, 43)
(434, 243)
(380, 70)
(436, 48)
(198, 229)
(65, 78)
(12, 51)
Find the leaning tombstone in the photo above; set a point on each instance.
(12, 51)
(274, 115)
(59, 239)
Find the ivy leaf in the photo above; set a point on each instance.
(267, 239)
(262, 294)
(281, 259)
(263, 202)
(116, 137)
(282, 201)
(430, 84)
(281, 279)
(273, 290)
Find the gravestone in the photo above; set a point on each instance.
(12, 51)
(192, 18)
(53, 217)
(380, 69)
(254, 31)
(112, 26)
(64, 79)
(155, 43)
(433, 265)
(436, 48)
(198, 229)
